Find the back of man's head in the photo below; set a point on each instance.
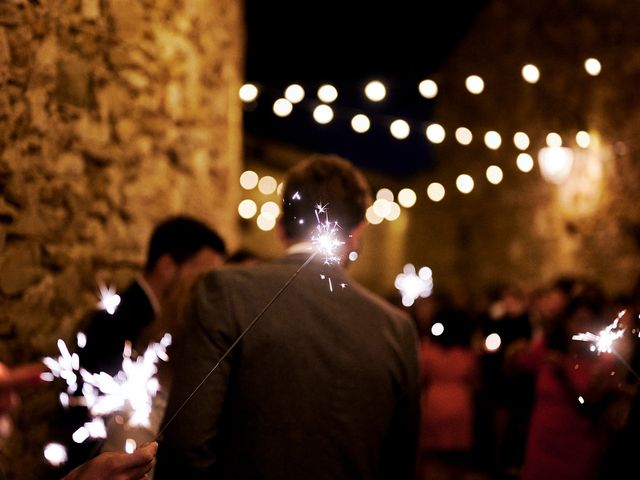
(326, 180)
(181, 237)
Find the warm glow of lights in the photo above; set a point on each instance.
(282, 107)
(249, 179)
(400, 129)
(394, 211)
(248, 92)
(294, 93)
(375, 91)
(353, 256)
(385, 193)
(267, 185)
(55, 454)
(437, 329)
(372, 217)
(327, 93)
(554, 140)
(524, 162)
(270, 208)
(492, 342)
(521, 140)
(407, 197)
(583, 139)
(428, 88)
(323, 114)
(474, 84)
(464, 136)
(412, 285)
(593, 66)
(247, 208)
(435, 133)
(266, 222)
(530, 73)
(382, 207)
(279, 189)
(492, 140)
(464, 183)
(360, 123)
(435, 191)
(555, 163)
(494, 174)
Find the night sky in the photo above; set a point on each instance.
(347, 44)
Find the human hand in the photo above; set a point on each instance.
(12, 380)
(117, 465)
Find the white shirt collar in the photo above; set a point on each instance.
(300, 247)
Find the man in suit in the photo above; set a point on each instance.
(324, 386)
(180, 247)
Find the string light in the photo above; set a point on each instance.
(521, 140)
(327, 93)
(249, 180)
(474, 84)
(464, 183)
(282, 107)
(492, 140)
(247, 208)
(494, 174)
(583, 139)
(360, 123)
(323, 114)
(375, 91)
(248, 92)
(530, 73)
(525, 162)
(463, 135)
(294, 93)
(592, 66)
(428, 88)
(407, 197)
(435, 133)
(435, 191)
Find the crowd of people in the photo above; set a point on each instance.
(274, 376)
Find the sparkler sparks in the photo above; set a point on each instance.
(129, 392)
(325, 237)
(412, 285)
(109, 299)
(603, 341)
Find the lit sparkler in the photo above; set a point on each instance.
(604, 340)
(109, 299)
(413, 285)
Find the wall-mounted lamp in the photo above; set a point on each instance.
(555, 163)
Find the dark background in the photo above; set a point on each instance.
(348, 44)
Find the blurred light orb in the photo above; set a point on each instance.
(428, 88)
(267, 185)
(248, 92)
(524, 162)
(435, 133)
(553, 140)
(521, 140)
(555, 163)
(382, 207)
(282, 107)
(435, 191)
(266, 222)
(375, 91)
(583, 139)
(400, 129)
(407, 197)
(494, 174)
(323, 114)
(372, 217)
(247, 208)
(294, 93)
(394, 212)
(412, 285)
(327, 93)
(249, 179)
(360, 123)
(492, 342)
(530, 73)
(270, 208)
(492, 140)
(385, 193)
(55, 454)
(463, 135)
(353, 256)
(464, 183)
(474, 84)
(593, 66)
(437, 329)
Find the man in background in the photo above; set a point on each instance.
(325, 386)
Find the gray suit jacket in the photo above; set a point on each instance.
(324, 386)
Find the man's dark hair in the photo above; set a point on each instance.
(181, 237)
(327, 180)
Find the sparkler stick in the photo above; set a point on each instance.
(325, 239)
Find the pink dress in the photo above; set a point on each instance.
(563, 442)
(449, 376)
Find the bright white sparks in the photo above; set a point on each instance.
(109, 299)
(604, 340)
(130, 392)
(413, 285)
(325, 237)
(55, 454)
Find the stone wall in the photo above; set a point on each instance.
(113, 114)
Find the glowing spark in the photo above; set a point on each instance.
(412, 285)
(130, 445)
(604, 340)
(109, 299)
(325, 237)
(130, 391)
